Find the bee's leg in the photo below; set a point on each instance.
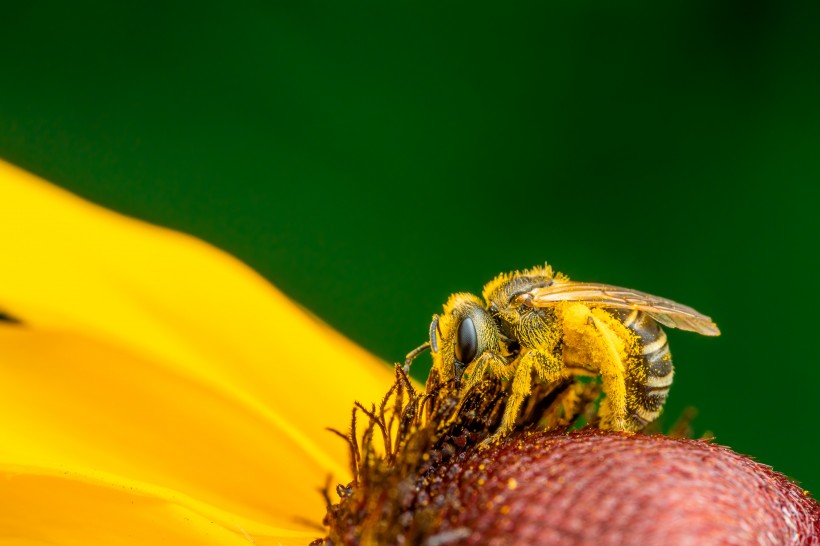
(520, 388)
(487, 360)
(613, 377)
(503, 369)
(548, 367)
(606, 350)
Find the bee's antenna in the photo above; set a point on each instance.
(433, 330)
(413, 354)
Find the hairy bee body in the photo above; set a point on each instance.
(534, 325)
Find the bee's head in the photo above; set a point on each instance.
(461, 335)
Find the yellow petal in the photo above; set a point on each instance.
(39, 507)
(149, 355)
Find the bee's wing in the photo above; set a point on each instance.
(667, 312)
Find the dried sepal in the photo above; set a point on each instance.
(419, 433)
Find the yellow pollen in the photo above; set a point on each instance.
(512, 483)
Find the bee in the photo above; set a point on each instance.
(537, 325)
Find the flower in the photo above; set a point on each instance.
(153, 389)
(440, 482)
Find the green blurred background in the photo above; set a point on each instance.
(371, 158)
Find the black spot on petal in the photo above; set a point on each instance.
(8, 319)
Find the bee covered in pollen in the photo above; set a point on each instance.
(536, 325)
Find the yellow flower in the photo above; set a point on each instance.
(155, 389)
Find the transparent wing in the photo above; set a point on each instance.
(667, 312)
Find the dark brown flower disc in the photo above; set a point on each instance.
(606, 488)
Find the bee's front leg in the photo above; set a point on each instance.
(488, 360)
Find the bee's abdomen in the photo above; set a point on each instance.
(649, 387)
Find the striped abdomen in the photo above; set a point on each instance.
(645, 398)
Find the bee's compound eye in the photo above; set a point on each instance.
(466, 342)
